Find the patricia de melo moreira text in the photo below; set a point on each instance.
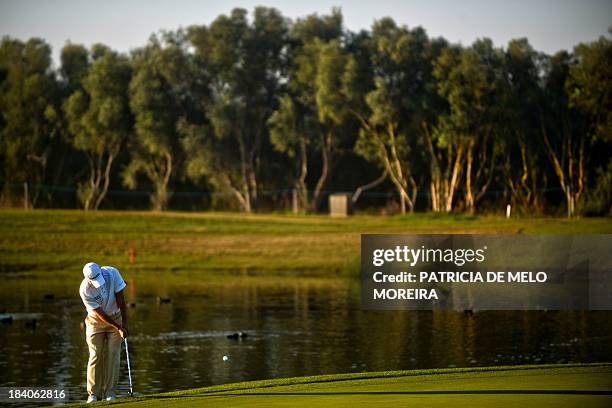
(413, 256)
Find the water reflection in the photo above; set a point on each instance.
(295, 327)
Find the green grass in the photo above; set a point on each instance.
(513, 386)
(36, 242)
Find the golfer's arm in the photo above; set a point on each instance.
(106, 318)
(121, 303)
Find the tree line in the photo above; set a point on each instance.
(247, 105)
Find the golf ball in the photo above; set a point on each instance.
(225, 358)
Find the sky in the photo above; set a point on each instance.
(550, 25)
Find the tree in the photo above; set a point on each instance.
(66, 162)
(29, 102)
(473, 86)
(391, 120)
(563, 131)
(577, 115)
(523, 174)
(244, 63)
(589, 87)
(290, 131)
(313, 106)
(99, 119)
(161, 94)
(447, 151)
(75, 61)
(298, 127)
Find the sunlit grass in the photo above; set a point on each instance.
(516, 386)
(36, 242)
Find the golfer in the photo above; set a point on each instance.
(106, 326)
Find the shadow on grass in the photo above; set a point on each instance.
(454, 392)
(363, 393)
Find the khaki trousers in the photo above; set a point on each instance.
(104, 356)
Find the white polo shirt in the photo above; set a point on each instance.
(104, 296)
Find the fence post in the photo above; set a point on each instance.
(25, 196)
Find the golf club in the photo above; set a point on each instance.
(127, 354)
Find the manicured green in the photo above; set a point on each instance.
(35, 242)
(515, 386)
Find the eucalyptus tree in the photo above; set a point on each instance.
(74, 65)
(523, 174)
(576, 114)
(99, 120)
(473, 86)
(244, 63)
(562, 131)
(306, 124)
(161, 97)
(29, 105)
(589, 86)
(398, 109)
(67, 162)
(290, 130)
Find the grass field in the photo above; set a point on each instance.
(36, 242)
(516, 386)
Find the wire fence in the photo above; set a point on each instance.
(200, 193)
(49, 195)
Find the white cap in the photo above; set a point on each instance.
(93, 272)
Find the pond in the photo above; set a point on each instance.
(294, 327)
